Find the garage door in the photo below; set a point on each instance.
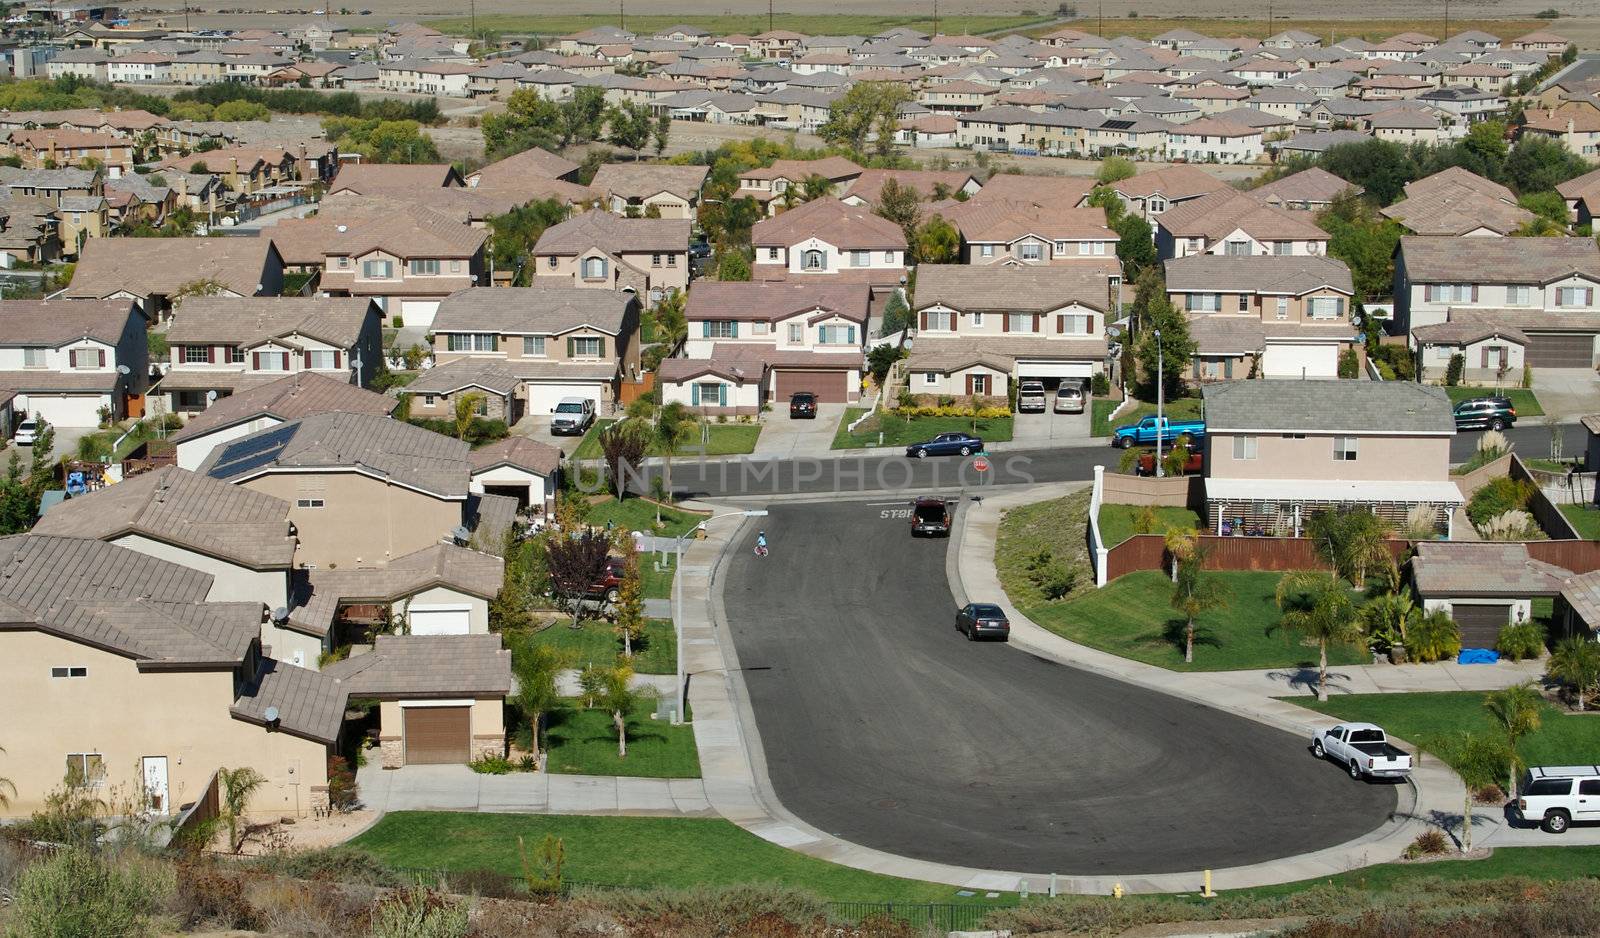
(1560, 350)
(543, 398)
(438, 620)
(1480, 625)
(63, 410)
(418, 314)
(437, 735)
(1294, 361)
(830, 387)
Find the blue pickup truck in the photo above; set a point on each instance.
(1143, 433)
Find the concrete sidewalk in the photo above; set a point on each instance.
(458, 788)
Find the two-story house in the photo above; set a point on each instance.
(524, 349)
(75, 363)
(660, 190)
(1215, 140)
(154, 271)
(827, 240)
(997, 232)
(599, 250)
(1458, 203)
(980, 328)
(763, 341)
(50, 148)
(1231, 222)
(1150, 193)
(1536, 293)
(1279, 452)
(295, 395)
(1310, 189)
(769, 185)
(1279, 317)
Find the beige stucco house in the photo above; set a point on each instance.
(599, 250)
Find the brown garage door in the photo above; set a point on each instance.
(1480, 625)
(830, 387)
(436, 735)
(1561, 350)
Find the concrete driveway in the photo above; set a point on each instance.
(1568, 393)
(1050, 428)
(785, 438)
(538, 428)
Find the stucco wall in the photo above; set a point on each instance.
(488, 727)
(1378, 458)
(363, 522)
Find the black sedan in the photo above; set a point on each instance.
(947, 444)
(982, 620)
(802, 406)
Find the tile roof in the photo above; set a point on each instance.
(360, 176)
(1262, 273)
(532, 161)
(994, 220)
(847, 227)
(289, 398)
(519, 452)
(1328, 406)
(869, 185)
(1026, 288)
(308, 703)
(533, 310)
(1227, 335)
(420, 666)
(641, 180)
(614, 235)
(833, 168)
(1500, 260)
(1218, 214)
(1308, 185)
(356, 227)
(952, 354)
(1452, 210)
(1443, 569)
(146, 266)
(1455, 177)
(490, 374)
(770, 300)
(338, 321)
(1173, 182)
(58, 322)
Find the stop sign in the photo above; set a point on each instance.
(981, 464)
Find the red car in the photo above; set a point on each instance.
(1194, 464)
(609, 585)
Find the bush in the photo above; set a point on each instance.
(1452, 374)
(1100, 385)
(1519, 641)
(338, 865)
(209, 897)
(1434, 637)
(420, 913)
(1498, 497)
(1430, 843)
(1349, 366)
(482, 430)
(344, 795)
(1514, 525)
(398, 321)
(79, 894)
(1527, 376)
(491, 765)
(1053, 577)
(1384, 370)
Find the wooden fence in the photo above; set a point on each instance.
(1276, 554)
(1181, 491)
(204, 808)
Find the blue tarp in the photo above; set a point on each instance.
(1478, 656)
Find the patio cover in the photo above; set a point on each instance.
(1319, 490)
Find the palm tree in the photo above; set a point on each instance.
(1517, 710)
(1351, 541)
(5, 786)
(1181, 544)
(1319, 607)
(1478, 759)
(238, 785)
(614, 695)
(466, 411)
(1389, 617)
(1576, 663)
(673, 423)
(1193, 593)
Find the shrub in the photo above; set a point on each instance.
(1100, 385)
(420, 913)
(398, 321)
(1349, 366)
(1514, 525)
(1053, 578)
(344, 795)
(79, 894)
(491, 765)
(1434, 637)
(209, 897)
(1498, 497)
(338, 865)
(1385, 371)
(1521, 640)
(1527, 376)
(488, 883)
(1430, 843)
(1452, 374)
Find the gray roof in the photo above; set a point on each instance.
(1328, 406)
(298, 395)
(246, 321)
(58, 322)
(308, 703)
(1262, 273)
(420, 666)
(316, 595)
(185, 509)
(1498, 260)
(378, 446)
(1454, 568)
(490, 374)
(54, 178)
(532, 310)
(614, 234)
(1028, 288)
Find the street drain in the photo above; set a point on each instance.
(887, 804)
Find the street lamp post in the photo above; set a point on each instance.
(677, 589)
(1161, 387)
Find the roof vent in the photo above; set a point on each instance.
(271, 714)
(341, 228)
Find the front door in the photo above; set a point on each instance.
(155, 784)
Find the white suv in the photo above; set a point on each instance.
(1553, 796)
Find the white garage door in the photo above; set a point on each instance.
(1294, 361)
(64, 410)
(418, 314)
(439, 620)
(543, 398)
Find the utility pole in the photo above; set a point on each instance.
(1102, 19)
(935, 18)
(1446, 21)
(769, 16)
(474, 8)
(622, 14)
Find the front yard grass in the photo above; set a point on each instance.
(1585, 519)
(639, 514)
(1131, 617)
(1100, 423)
(1055, 527)
(645, 852)
(725, 439)
(1419, 718)
(584, 742)
(657, 583)
(597, 643)
(1120, 522)
(903, 431)
(1523, 399)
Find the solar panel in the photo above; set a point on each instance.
(252, 452)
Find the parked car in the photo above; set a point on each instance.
(1364, 749)
(802, 406)
(573, 416)
(1145, 431)
(609, 586)
(947, 444)
(1485, 413)
(699, 249)
(1195, 464)
(983, 620)
(1030, 397)
(27, 433)
(1553, 796)
(1069, 399)
(930, 515)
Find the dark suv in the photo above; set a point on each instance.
(802, 406)
(609, 586)
(1485, 413)
(930, 515)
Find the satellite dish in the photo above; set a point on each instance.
(271, 714)
(1113, 331)
(211, 397)
(280, 614)
(461, 534)
(123, 369)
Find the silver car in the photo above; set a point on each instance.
(1069, 399)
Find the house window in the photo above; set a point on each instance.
(427, 400)
(1281, 248)
(837, 335)
(888, 257)
(1074, 324)
(1573, 296)
(86, 768)
(796, 333)
(424, 267)
(71, 671)
(977, 320)
(1019, 322)
(986, 250)
(930, 377)
(1450, 293)
(1344, 449)
(814, 260)
(772, 254)
(455, 267)
(1244, 303)
(655, 260)
(1283, 307)
(533, 345)
(760, 328)
(938, 320)
(594, 268)
(1326, 307)
(1097, 248)
(588, 346)
(310, 503)
(377, 270)
(192, 355)
(721, 329)
(470, 342)
(35, 357)
(86, 358)
(272, 361)
(1519, 296)
(324, 360)
(710, 394)
(672, 260)
(552, 261)
(1029, 251)
(1244, 447)
(1236, 248)
(1202, 302)
(860, 258)
(1156, 205)
(236, 354)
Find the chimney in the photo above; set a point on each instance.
(183, 187)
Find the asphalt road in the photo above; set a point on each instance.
(844, 473)
(883, 726)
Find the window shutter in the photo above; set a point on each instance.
(851, 333)
(1484, 354)
(308, 359)
(694, 395)
(572, 346)
(1005, 326)
(337, 359)
(705, 329)
(102, 358)
(1061, 325)
(255, 360)
(733, 330)
(924, 323)
(1474, 293)
(722, 395)
(1035, 322)
(211, 354)
(1588, 296)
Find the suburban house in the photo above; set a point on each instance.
(769, 185)
(599, 250)
(371, 177)
(931, 185)
(61, 146)
(520, 468)
(1215, 140)
(1456, 203)
(997, 232)
(1576, 127)
(153, 272)
(1231, 222)
(1484, 587)
(221, 345)
(1280, 451)
(761, 342)
(1309, 190)
(1583, 197)
(1543, 287)
(295, 395)
(1491, 344)
(978, 329)
(827, 240)
(634, 189)
(512, 170)
(1276, 317)
(76, 363)
(527, 348)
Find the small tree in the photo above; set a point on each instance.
(1115, 169)
(1517, 711)
(1349, 365)
(615, 696)
(674, 423)
(1351, 541)
(938, 242)
(1453, 371)
(535, 665)
(1319, 607)
(663, 130)
(733, 266)
(630, 602)
(1181, 543)
(1478, 758)
(238, 786)
(1388, 618)
(1194, 592)
(576, 563)
(623, 445)
(1576, 663)
(466, 411)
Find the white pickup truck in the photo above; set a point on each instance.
(1364, 749)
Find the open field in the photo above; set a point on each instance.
(847, 24)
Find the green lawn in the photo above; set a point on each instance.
(1131, 617)
(658, 583)
(1416, 718)
(584, 742)
(669, 853)
(1100, 424)
(639, 514)
(1120, 522)
(1056, 527)
(817, 24)
(726, 439)
(596, 643)
(1534, 863)
(903, 431)
(1585, 518)
(1523, 399)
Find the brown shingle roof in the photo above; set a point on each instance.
(419, 666)
(307, 703)
(532, 161)
(946, 355)
(57, 322)
(847, 227)
(533, 310)
(1027, 289)
(519, 452)
(1309, 185)
(1174, 182)
(869, 185)
(614, 234)
(1062, 191)
(640, 180)
(1453, 210)
(487, 373)
(1273, 274)
(361, 176)
(146, 266)
(289, 398)
(1498, 260)
(1455, 176)
(202, 320)
(316, 595)
(1218, 214)
(1452, 568)
(770, 301)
